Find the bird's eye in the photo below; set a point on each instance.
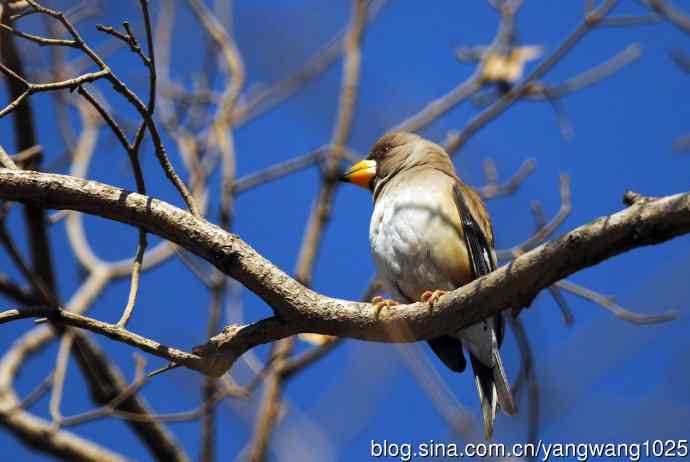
(382, 150)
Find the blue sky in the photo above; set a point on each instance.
(600, 380)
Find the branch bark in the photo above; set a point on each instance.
(298, 309)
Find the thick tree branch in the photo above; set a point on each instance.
(299, 309)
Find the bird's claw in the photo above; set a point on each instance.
(431, 297)
(380, 302)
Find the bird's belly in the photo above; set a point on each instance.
(416, 247)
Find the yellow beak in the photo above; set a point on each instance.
(361, 173)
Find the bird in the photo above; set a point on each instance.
(431, 233)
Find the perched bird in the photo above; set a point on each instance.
(431, 233)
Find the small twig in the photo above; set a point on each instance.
(172, 417)
(630, 21)
(441, 105)
(549, 228)
(672, 14)
(28, 154)
(540, 222)
(105, 114)
(111, 330)
(134, 283)
(588, 77)
(295, 365)
(6, 161)
(57, 217)
(43, 41)
(492, 189)
(59, 376)
(110, 408)
(32, 88)
(37, 393)
(609, 304)
(128, 38)
(161, 370)
(558, 297)
(288, 167)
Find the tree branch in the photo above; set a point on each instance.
(647, 221)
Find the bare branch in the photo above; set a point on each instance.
(646, 222)
(548, 229)
(43, 41)
(59, 377)
(492, 189)
(614, 308)
(589, 77)
(110, 330)
(6, 161)
(134, 284)
(672, 14)
(37, 393)
(555, 293)
(629, 21)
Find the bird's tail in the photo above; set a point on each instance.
(493, 388)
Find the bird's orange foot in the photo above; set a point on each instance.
(432, 297)
(380, 302)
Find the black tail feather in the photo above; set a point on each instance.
(491, 381)
(488, 398)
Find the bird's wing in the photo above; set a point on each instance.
(480, 250)
(479, 246)
(492, 383)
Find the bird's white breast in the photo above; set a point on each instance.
(415, 240)
(417, 246)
